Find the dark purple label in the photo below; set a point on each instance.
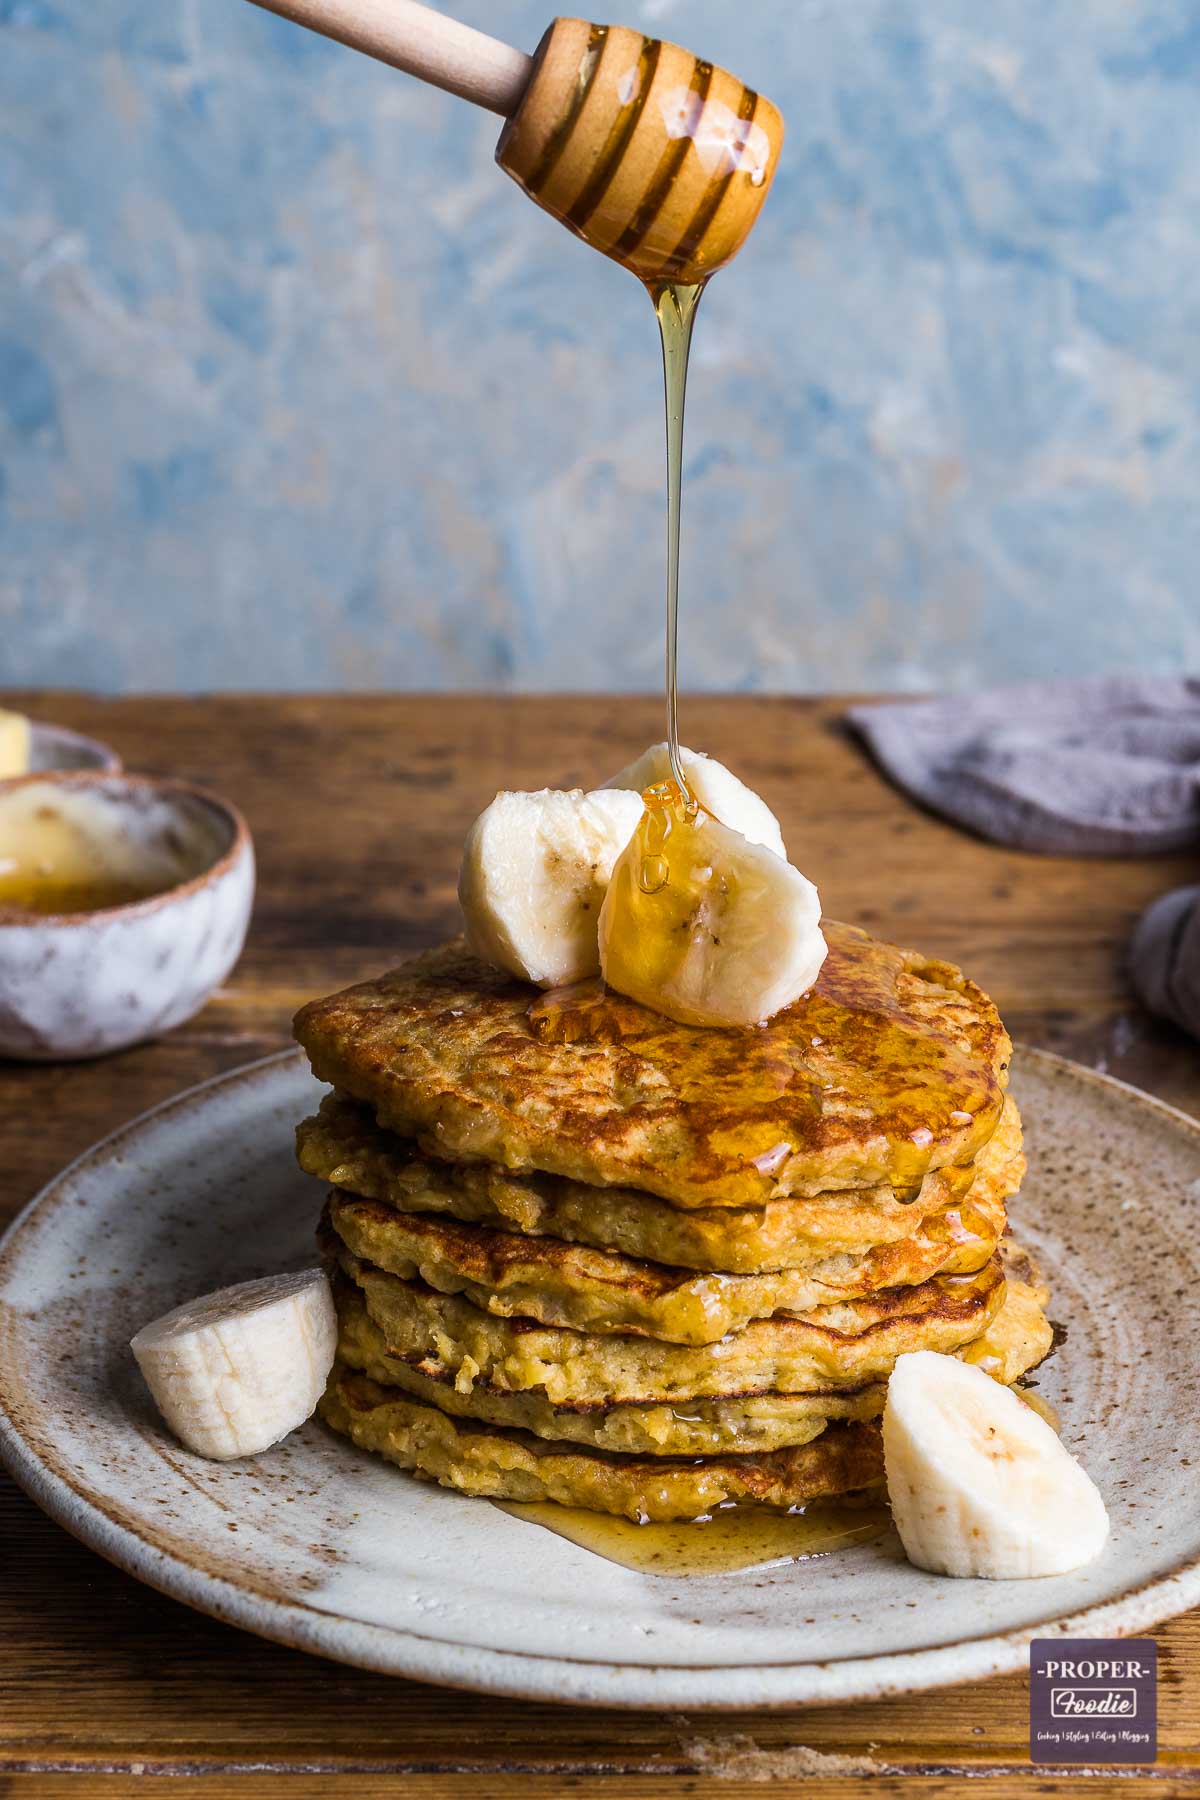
(1093, 1700)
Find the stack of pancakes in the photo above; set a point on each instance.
(582, 1253)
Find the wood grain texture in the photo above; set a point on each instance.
(358, 807)
(809, 1776)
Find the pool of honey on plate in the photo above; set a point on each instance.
(728, 1539)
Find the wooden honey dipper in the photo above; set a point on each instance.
(657, 159)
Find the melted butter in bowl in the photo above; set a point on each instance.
(66, 849)
(124, 902)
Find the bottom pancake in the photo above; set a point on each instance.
(500, 1464)
(1016, 1340)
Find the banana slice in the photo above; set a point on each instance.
(534, 871)
(705, 926)
(237, 1370)
(717, 789)
(979, 1483)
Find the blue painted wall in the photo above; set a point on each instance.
(297, 390)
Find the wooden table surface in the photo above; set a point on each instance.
(358, 807)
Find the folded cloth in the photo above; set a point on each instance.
(1108, 766)
(1165, 957)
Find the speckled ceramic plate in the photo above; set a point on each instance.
(320, 1547)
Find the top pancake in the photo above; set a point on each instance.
(890, 1066)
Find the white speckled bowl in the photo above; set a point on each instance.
(80, 984)
(54, 749)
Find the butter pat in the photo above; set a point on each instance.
(16, 745)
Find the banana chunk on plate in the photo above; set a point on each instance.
(234, 1372)
(979, 1483)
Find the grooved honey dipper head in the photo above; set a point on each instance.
(657, 159)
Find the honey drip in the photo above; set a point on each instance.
(587, 1012)
(675, 307)
(662, 896)
(728, 1539)
(669, 809)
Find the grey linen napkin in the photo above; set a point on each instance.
(1108, 766)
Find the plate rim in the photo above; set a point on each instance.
(529, 1675)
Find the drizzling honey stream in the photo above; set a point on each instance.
(675, 307)
(660, 160)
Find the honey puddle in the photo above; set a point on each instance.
(732, 1538)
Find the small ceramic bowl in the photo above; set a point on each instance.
(76, 984)
(54, 748)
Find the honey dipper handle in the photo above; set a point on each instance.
(422, 42)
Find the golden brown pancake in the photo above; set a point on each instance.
(890, 1066)
(826, 1234)
(1017, 1339)
(1020, 1334)
(557, 1283)
(515, 1465)
(843, 1345)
